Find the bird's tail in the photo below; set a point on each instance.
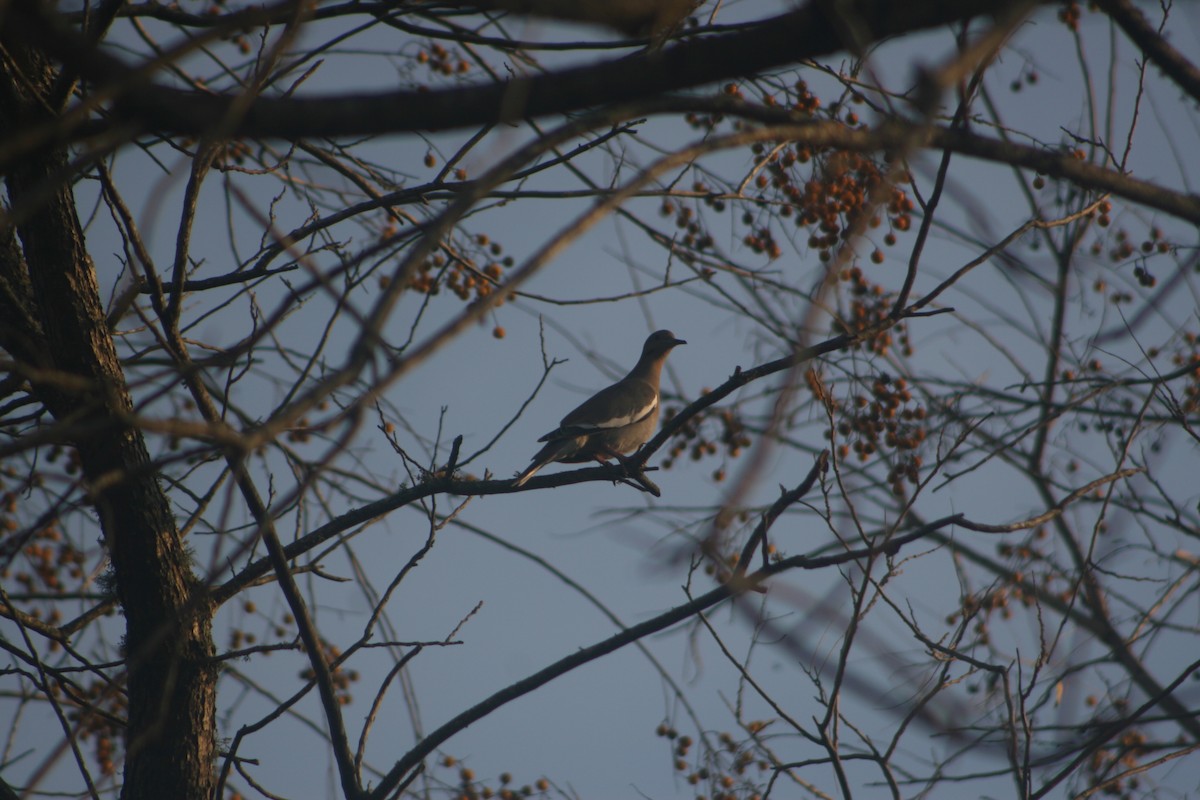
(529, 473)
(551, 452)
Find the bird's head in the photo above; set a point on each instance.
(659, 343)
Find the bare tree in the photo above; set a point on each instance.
(948, 491)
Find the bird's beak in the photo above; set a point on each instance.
(677, 342)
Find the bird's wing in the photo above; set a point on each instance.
(621, 404)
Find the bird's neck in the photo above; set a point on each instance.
(648, 370)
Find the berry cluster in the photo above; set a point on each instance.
(48, 555)
(692, 439)
(342, 678)
(1124, 756)
(457, 270)
(695, 237)
(870, 308)
(1122, 246)
(99, 718)
(832, 193)
(1190, 357)
(724, 771)
(239, 638)
(470, 788)
(441, 61)
(885, 420)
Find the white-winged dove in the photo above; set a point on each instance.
(615, 420)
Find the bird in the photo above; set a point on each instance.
(616, 420)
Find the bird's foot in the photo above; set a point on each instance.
(635, 475)
(635, 471)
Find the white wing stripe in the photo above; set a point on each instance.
(615, 422)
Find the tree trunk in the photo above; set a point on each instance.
(50, 283)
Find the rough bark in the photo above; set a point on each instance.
(49, 282)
